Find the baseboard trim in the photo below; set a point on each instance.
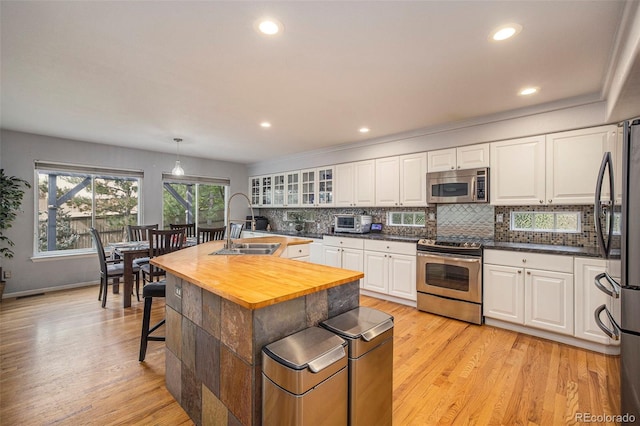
(17, 294)
(569, 340)
(388, 297)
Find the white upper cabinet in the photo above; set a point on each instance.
(355, 184)
(388, 181)
(278, 197)
(316, 187)
(254, 190)
(413, 179)
(465, 157)
(266, 191)
(559, 168)
(573, 161)
(261, 190)
(292, 189)
(517, 171)
(401, 181)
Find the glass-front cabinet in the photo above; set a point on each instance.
(325, 186)
(278, 190)
(266, 191)
(317, 187)
(308, 188)
(254, 190)
(305, 188)
(292, 189)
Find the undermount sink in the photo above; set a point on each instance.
(249, 248)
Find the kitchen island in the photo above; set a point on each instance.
(221, 310)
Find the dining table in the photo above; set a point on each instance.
(128, 251)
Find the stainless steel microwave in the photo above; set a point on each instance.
(458, 186)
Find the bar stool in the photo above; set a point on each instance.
(149, 291)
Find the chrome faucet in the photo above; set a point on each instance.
(227, 244)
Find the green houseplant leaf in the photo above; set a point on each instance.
(11, 194)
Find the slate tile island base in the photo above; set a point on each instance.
(213, 346)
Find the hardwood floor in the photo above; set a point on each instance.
(64, 360)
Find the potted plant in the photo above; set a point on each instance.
(11, 193)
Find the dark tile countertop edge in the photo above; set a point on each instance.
(528, 247)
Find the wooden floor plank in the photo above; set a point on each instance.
(64, 360)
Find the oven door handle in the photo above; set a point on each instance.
(451, 257)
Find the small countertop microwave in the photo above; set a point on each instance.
(458, 186)
(353, 223)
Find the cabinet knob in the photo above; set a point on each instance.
(519, 272)
(541, 201)
(458, 166)
(452, 167)
(550, 201)
(528, 272)
(524, 260)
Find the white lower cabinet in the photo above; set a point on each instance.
(390, 268)
(344, 253)
(588, 297)
(549, 300)
(297, 252)
(315, 252)
(535, 290)
(504, 293)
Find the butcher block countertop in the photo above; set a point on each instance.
(253, 281)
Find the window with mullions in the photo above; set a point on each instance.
(567, 222)
(406, 218)
(72, 199)
(193, 199)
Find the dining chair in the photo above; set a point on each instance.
(140, 233)
(160, 242)
(236, 230)
(190, 228)
(210, 234)
(149, 291)
(110, 269)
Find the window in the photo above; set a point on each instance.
(406, 218)
(194, 199)
(72, 199)
(567, 222)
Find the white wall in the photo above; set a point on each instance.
(20, 150)
(511, 125)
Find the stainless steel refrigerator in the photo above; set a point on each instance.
(617, 220)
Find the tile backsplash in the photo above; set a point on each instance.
(585, 238)
(320, 220)
(465, 220)
(451, 220)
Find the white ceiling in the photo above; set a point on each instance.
(138, 74)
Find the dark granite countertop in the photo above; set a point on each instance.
(369, 236)
(545, 249)
(495, 245)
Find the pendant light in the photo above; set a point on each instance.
(177, 169)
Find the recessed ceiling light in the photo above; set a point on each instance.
(265, 124)
(528, 91)
(364, 130)
(269, 26)
(505, 32)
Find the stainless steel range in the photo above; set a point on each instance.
(449, 279)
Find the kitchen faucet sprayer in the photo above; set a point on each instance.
(227, 243)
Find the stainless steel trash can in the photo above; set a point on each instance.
(304, 380)
(369, 333)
